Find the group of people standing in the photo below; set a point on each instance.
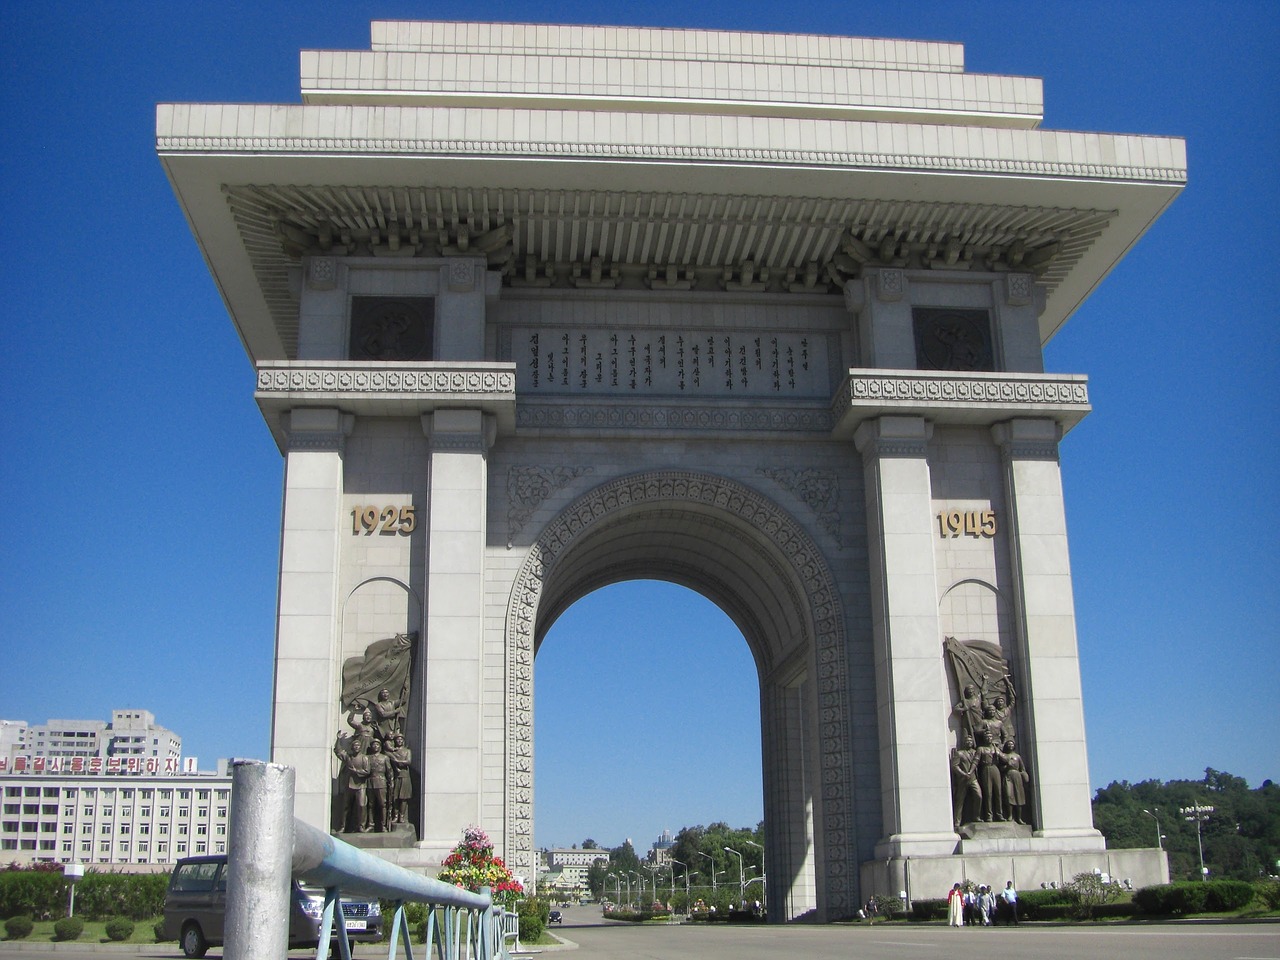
(375, 786)
(980, 905)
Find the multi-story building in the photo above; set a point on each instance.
(113, 794)
(130, 733)
(660, 852)
(567, 869)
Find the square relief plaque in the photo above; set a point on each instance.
(392, 328)
(949, 339)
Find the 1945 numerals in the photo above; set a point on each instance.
(972, 523)
(389, 520)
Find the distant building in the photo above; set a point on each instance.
(130, 733)
(115, 794)
(567, 869)
(660, 852)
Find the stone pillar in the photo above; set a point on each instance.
(304, 715)
(911, 684)
(1049, 669)
(454, 678)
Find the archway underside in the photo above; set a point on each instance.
(743, 553)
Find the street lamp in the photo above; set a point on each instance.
(1199, 814)
(714, 871)
(1159, 839)
(617, 884)
(763, 872)
(640, 881)
(742, 877)
(674, 861)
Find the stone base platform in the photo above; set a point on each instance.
(995, 860)
(400, 835)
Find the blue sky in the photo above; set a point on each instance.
(142, 489)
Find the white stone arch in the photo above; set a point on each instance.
(755, 561)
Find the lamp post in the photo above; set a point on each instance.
(764, 887)
(617, 884)
(714, 872)
(1199, 814)
(674, 861)
(1159, 838)
(742, 877)
(639, 881)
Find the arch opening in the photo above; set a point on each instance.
(742, 552)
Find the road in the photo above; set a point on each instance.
(596, 939)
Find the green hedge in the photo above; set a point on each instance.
(19, 928)
(35, 893)
(43, 894)
(534, 914)
(924, 910)
(68, 928)
(1194, 896)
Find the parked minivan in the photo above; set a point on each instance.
(195, 908)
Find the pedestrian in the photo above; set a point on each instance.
(986, 904)
(1010, 898)
(955, 907)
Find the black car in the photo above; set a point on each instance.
(556, 917)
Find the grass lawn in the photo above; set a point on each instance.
(95, 931)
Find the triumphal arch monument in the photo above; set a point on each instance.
(536, 309)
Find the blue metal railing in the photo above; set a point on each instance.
(462, 925)
(268, 844)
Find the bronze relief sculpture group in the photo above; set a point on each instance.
(374, 782)
(989, 780)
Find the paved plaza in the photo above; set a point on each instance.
(590, 938)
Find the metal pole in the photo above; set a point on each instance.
(259, 861)
(742, 879)
(1159, 839)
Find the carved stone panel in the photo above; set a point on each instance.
(392, 328)
(952, 339)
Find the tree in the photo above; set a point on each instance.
(1088, 891)
(1241, 838)
(590, 844)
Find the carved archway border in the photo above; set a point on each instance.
(801, 553)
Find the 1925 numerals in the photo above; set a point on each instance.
(971, 523)
(368, 520)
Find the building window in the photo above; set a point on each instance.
(46, 845)
(144, 828)
(222, 829)
(106, 829)
(182, 829)
(30, 809)
(164, 811)
(124, 828)
(104, 846)
(13, 791)
(69, 811)
(184, 794)
(107, 811)
(8, 844)
(86, 828)
(66, 847)
(29, 827)
(49, 809)
(145, 811)
(200, 848)
(204, 811)
(31, 792)
(126, 811)
(48, 828)
(202, 830)
(184, 811)
(12, 809)
(221, 848)
(51, 791)
(86, 847)
(166, 794)
(222, 811)
(182, 848)
(88, 811)
(68, 828)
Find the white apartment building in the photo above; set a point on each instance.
(129, 733)
(115, 794)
